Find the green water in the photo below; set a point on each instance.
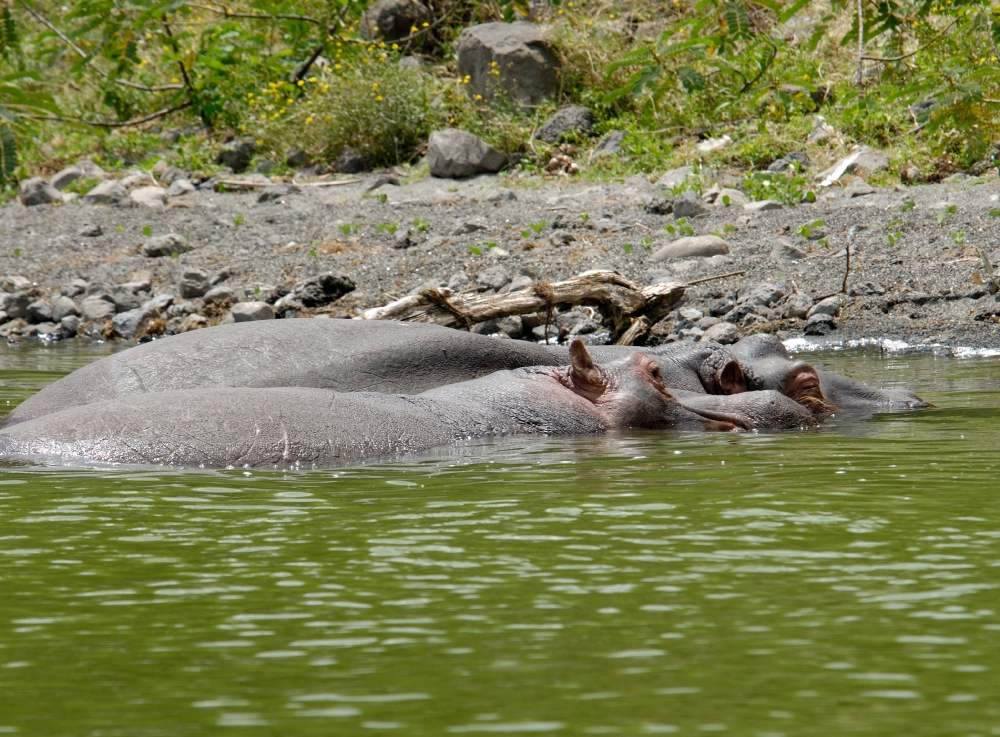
(830, 583)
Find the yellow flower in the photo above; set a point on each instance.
(309, 119)
(413, 29)
(289, 101)
(395, 46)
(378, 98)
(313, 80)
(300, 83)
(338, 66)
(174, 80)
(426, 25)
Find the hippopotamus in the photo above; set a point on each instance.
(767, 365)
(297, 426)
(408, 358)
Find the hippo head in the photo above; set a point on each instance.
(795, 379)
(630, 394)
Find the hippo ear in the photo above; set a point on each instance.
(731, 378)
(583, 369)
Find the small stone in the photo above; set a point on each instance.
(410, 62)
(714, 144)
(220, 293)
(316, 170)
(276, 192)
(503, 194)
(722, 332)
(172, 174)
(91, 170)
(763, 206)
(730, 198)
(691, 333)
(97, 309)
(158, 304)
(297, 158)
(865, 159)
(829, 306)
(689, 205)
(165, 245)
(193, 322)
(127, 323)
(575, 118)
(820, 324)
(797, 307)
(763, 295)
(690, 313)
(350, 161)
(493, 277)
(70, 325)
(265, 166)
(469, 226)
(63, 307)
(675, 177)
(149, 196)
(822, 132)
(237, 154)
(520, 282)
(250, 311)
(782, 164)
(452, 153)
(322, 289)
(38, 311)
(785, 251)
(110, 192)
(15, 304)
(38, 191)
(65, 177)
(858, 187)
(73, 288)
(700, 246)
(394, 20)
(90, 231)
(611, 144)
(706, 322)
(180, 187)
(659, 206)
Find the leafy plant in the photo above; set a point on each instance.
(386, 227)
(238, 220)
(806, 230)
(421, 224)
(348, 228)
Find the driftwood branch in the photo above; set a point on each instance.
(623, 300)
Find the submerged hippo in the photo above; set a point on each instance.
(396, 357)
(281, 427)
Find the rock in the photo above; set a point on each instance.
(65, 177)
(675, 177)
(264, 167)
(858, 187)
(659, 206)
(316, 170)
(90, 170)
(250, 311)
(730, 198)
(14, 283)
(90, 231)
(797, 306)
(786, 161)
(785, 251)
(73, 288)
(822, 131)
(493, 277)
(38, 191)
(180, 187)
(714, 144)
(689, 205)
(501, 195)
(220, 293)
(149, 196)
(276, 192)
(690, 313)
(910, 174)
(393, 20)
(763, 206)
(829, 306)
(193, 322)
(452, 153)
(763, 295)
(158, 304)
(699, 246)
(520, 282)
(706, 322)
(15, 304)
(692, 334)
(172, 174)
(63, 307)
(516, 57)
(611, 144)
(136, 178)
(110, 192)
(721, 332)
(165, 245)
(350, 161)
(410, 62)
(97, 309)
(322, 289)
(237, 154)
(38, 311)
(865, 159)
(469, 226)
(458, 280)
(296, 158)
(819, 325)
(127, 323)
(70, 325)
(569, 119)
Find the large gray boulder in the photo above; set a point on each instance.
(393, 20)
(65, 177)
(513, 59)
(38, 191)
(455, 154)
(567, 120)
(108, 192)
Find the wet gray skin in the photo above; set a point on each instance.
(766, 409)
(289, 427)
(767, 365)
(394, 357)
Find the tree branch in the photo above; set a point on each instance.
(890, 59)
(259, 16)
(112, 124)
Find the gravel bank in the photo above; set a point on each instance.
(912, 257)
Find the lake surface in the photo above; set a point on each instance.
(838, 582)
